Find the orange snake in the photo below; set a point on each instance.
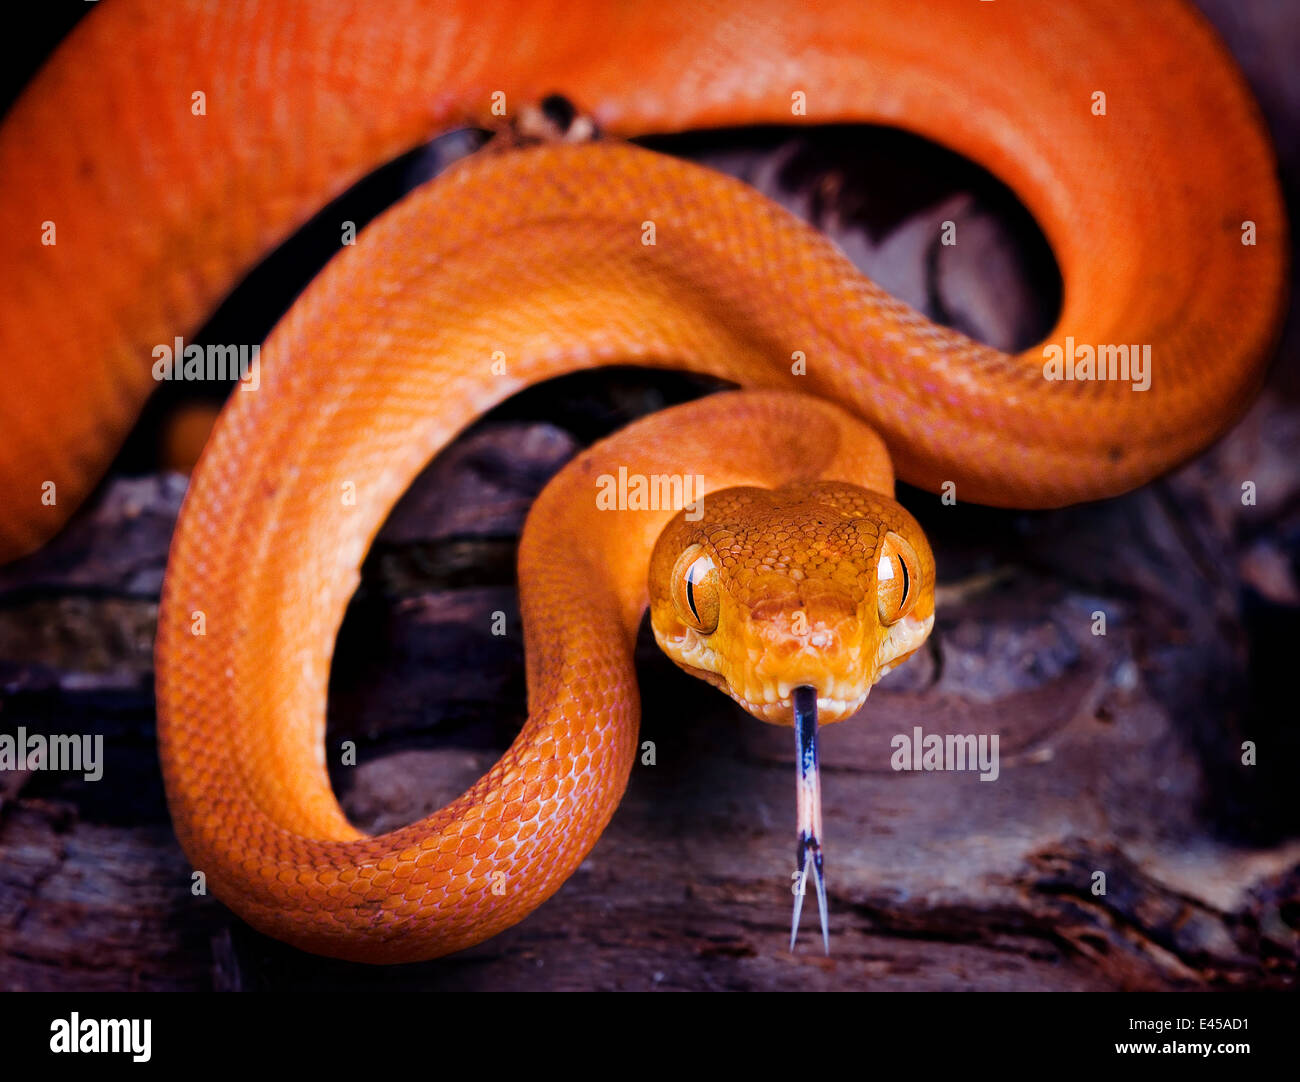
(537, 254)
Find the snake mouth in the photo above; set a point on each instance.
(781, 711)
(775, 702)
(841, 688)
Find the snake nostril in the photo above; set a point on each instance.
(560, 111)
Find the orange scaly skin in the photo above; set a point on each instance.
(538, 254)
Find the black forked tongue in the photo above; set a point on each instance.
(809, 804)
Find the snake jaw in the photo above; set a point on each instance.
(763, 683)
(901, 641)
(761, 693)
(760, 671)
(781, 711)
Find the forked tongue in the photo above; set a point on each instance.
(809, 805)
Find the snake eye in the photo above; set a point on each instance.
(695, 589)
(896, 585)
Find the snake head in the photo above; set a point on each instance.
(820, 584)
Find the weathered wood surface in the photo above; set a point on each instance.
(1120, 753)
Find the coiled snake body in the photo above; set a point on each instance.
(802, 577)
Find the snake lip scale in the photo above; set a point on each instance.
(165, 148)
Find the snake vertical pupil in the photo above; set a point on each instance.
(695, 589)
(894, 575)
